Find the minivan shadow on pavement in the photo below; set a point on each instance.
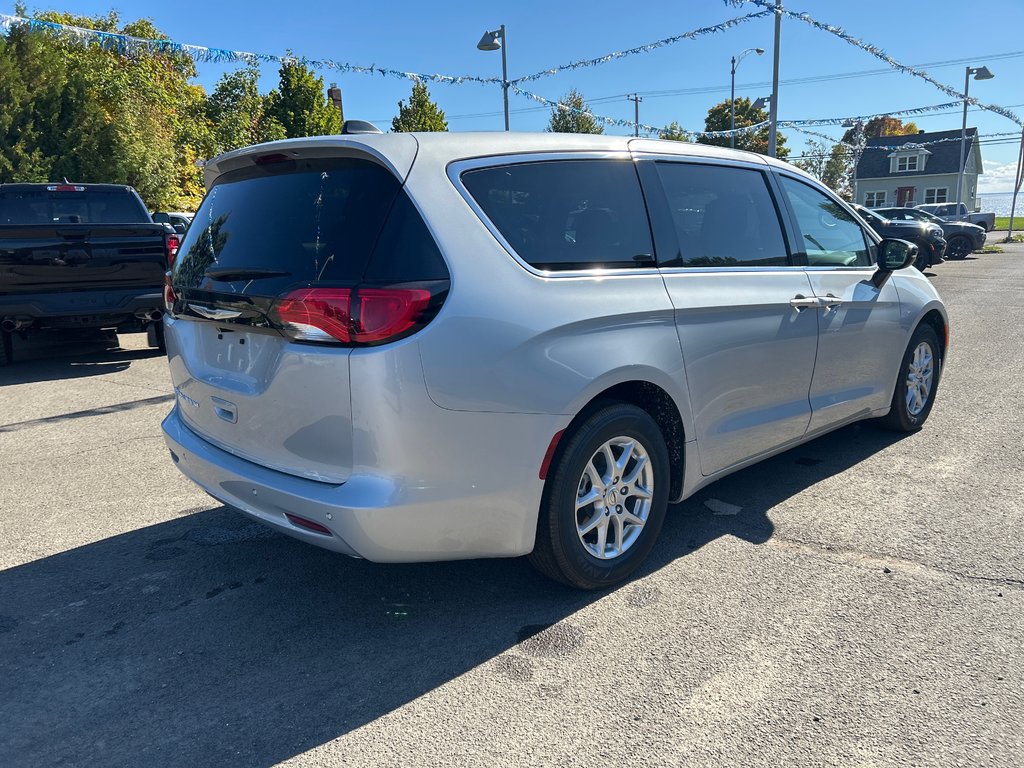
(211, 640)
(48, 357)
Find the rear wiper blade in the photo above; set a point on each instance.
(229, 274)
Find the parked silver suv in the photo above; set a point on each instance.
(411, 347)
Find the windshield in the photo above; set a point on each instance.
(924, 216)
(871, 216)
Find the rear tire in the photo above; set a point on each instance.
(958, 248)
(155, 336)
(918, 379)
(6, 348)
(605, 500)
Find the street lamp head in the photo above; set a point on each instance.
(982, 73)
(761, 102)
(489, 41)
(759, 51)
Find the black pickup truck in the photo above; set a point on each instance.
(84, 256)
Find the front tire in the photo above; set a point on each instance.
(605, 501)
(958, 248)
(915, 388)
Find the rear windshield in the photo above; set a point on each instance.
(265, 229)
(81, 205)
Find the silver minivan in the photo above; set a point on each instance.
(412, 347)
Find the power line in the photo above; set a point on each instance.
(825, 78)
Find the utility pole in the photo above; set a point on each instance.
(636, 99)
(1016, 187)
(773, 113)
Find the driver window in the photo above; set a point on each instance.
(831, 236)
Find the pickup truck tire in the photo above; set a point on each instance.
(155, 336)
(958, 248)
(6, 348)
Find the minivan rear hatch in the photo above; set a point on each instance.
(289, 263)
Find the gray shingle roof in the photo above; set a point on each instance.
(944, 157)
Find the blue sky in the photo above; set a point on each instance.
(679, 82)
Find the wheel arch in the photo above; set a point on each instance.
(940, 325)
(658, 404)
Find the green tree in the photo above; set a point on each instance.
(421, 114)
(828, 163)
(752, 141)
(299, 103)
(674, 132)
(572, 115)
(96, 114)
(237, 112)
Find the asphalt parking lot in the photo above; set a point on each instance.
(864, 607)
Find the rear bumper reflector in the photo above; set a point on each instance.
(549, 454)
(309, 525)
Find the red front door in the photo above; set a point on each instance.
(904, 195)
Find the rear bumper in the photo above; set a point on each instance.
(370, 516)
(100, 303)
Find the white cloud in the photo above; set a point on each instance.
(998, 177)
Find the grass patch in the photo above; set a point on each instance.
(1003, 222)
(991, 249)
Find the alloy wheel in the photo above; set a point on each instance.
(920, 374)
(614, 497)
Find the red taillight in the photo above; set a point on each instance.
(173, 242)
(169, 296)
(350, 315)
(316, 314)
(387, 312)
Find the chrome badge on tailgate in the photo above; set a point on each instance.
(186, 398)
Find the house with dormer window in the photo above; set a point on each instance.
(919, 168)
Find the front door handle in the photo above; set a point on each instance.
(830, 302)
(800, 302)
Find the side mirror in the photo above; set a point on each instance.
(893, 254)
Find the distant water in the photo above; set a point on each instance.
(999, 203)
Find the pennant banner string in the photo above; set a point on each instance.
(878, 53)
(692, 34)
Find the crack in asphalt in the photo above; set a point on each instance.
(100, 411)
(875, 561)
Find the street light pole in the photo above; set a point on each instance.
(980, 73)
(732, 91)
(773, 115)
(489, 42)
(504, 72)
(732, 106)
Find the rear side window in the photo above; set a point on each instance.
(87, 206)
(831, 236)
(269, 228)
(567, 214)
(724, 216)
